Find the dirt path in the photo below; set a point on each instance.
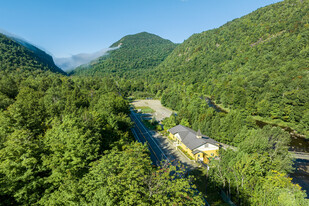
(160, 113)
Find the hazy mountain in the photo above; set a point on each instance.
(18, 54)
(138, 51)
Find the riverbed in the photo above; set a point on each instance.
(297, 144)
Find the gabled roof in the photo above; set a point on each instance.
(188, 137)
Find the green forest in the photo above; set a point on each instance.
(257, 64)
(16, 57)
(254, 68)
(65, 139)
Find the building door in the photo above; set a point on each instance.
(200, 157)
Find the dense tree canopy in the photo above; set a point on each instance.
(17, 57)
(68, 141)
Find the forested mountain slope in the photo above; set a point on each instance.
(20, 56)
(258, 63)
(136, 52)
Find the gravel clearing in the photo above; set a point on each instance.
(160, 113)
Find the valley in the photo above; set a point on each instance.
(75, 139)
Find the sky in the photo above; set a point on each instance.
(68, 27)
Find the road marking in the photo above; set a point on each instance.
(136, 135)
(147, 142)
(151, 136)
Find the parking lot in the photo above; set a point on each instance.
(160, 112)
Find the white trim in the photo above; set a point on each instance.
(207, 147)
(178, 137)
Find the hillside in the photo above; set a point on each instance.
(18, 55)
(136, 52)
(257, 64)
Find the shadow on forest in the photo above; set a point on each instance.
(214, 194)
(301, 174)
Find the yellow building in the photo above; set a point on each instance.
(198, 146)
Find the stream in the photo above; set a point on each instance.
(297, 144)
(213, 105)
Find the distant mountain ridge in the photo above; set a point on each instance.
(17, 54)
(137, 52)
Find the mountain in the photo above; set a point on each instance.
(258, 63)
(137, 52)
(17, 54)
(70, 63)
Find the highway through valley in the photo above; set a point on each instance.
(157, 152)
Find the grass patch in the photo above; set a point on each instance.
(221, 107)
(186, 153)
(288, 126)
(145, 109)
(269, 120)
(148, 124)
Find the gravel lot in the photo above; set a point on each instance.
(160, 113)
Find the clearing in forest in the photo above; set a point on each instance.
(160, 112)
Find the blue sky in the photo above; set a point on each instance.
(67, 27)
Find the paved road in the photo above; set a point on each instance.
(142, 134)
(161, 148)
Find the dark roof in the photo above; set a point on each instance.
(189, 138)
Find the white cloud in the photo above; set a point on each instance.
(69, 63)
(23, 41)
